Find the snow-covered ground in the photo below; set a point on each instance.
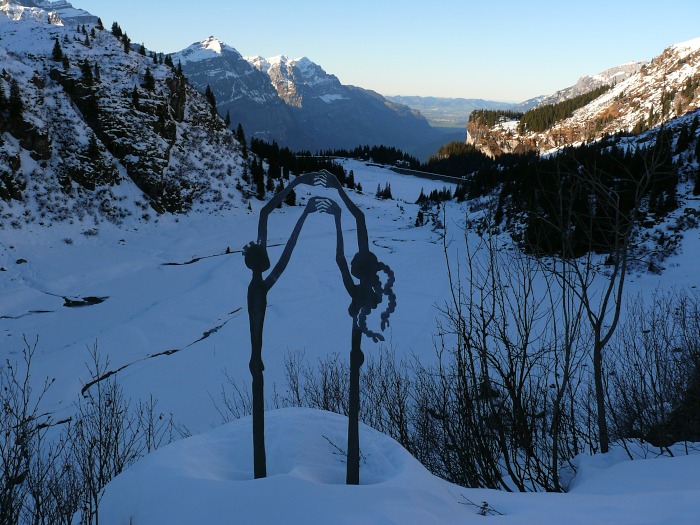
(179, 283)
(209, 479)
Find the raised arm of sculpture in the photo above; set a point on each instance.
(331, 207)
(311, 207)
(307, 178)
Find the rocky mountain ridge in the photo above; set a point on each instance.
(57, 12)
(588, 83)
(664, 88)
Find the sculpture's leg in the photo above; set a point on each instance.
(356, 360)
(259, 461)
(257, 301)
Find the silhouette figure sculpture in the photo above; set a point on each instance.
(257, 260)
(365, 296)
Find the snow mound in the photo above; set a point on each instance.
(209, 479)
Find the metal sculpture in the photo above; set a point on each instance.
(257, 260)
(365, 296)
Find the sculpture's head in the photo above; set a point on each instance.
(364, 266)
(256, 257)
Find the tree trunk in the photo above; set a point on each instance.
(600, 394)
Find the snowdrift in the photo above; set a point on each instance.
(208, 479)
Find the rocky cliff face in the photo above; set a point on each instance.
(298, 82)
(98, 131)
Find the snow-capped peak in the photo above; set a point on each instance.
(265, 64)
(304, 63)
(208, 48)
(213, 44)
(258, 62)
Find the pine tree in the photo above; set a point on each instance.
(97, 72)
(209, 95)
(116, 30)
(149, 81)
(135, 97)
(100, 25)
(3, 97)
(694, 126)
(258, 175)
(279, 188)
(65, 62)
(142, 50)
(240, 137)
(291, 198)
(227, 120)
(126, 41)
(683, 140)
(420, 218)
(57, 53)
(384, 193)
(86, 70)
(178, 71)
(350, 182)
(15, 104)
(93, 149)
(93, 34)
(168, 61)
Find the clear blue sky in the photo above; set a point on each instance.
(498, 50)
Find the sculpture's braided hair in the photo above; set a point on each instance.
(389, 292)
(370, 293)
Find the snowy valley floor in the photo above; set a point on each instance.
(174, 319)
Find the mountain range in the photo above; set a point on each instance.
(298, 104)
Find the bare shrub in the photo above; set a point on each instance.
(653, 384)
(22, 424)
